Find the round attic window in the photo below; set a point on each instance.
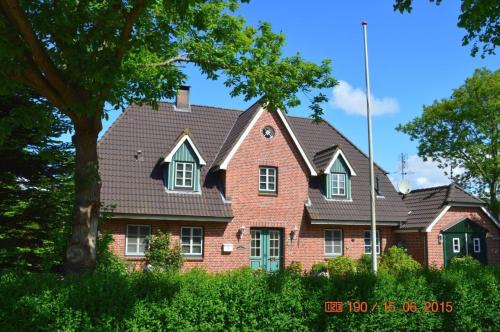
(268, 132)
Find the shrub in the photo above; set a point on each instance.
(365, 263)
(243, 301)
(295, 268)
(319, 267)
(464, 263)
(397, 260)
(341, 265)
(161, 254)
(106, 260)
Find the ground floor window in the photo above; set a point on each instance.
(136, 239)
(192, 241)
(333, 242)
(368, 242)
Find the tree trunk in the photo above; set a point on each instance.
(493, 199)
(81, 250)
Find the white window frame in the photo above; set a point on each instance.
(137, 253)
(456, 244)
(184, 177)
(476, 241)
(267, 176)
(378, 240)
(338, 176)
(333, 244)
(191, 245)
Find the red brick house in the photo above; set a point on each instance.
(444, 222)
(249, 188)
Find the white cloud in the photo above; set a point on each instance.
(353, 101)
(424, 174)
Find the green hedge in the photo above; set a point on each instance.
(243, 300)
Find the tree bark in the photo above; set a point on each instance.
(81, 250)
(493, 199)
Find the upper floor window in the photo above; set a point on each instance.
(368, 242)
(136, 239)
(338, 184)
(267, 179)
(184, 175)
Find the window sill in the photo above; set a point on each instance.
(192, 258)
(327, 257)
(271, 194)
(135, 257)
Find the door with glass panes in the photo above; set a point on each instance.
(266, 249)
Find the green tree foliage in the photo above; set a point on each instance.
(464, 131)
(79, 55)
(480, 18)
(35, 183)
(162, 254)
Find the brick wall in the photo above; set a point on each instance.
(454, 214)
(284, 211)
(415, 242)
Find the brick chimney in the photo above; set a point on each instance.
(182, 99)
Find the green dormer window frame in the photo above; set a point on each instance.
(184, 175)
(183, 167)
(338, 184)
(337, 177)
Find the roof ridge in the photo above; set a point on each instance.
(208, 106)
(216, 157)
(428, 188)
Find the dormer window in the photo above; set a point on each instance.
(337, 173)
(183, 166)
(338, 184)
(184, 175)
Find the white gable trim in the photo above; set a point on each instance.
(492, 217)
(440, 215)
(186, 137)
(235, 148)
(297, 144)
(335, 156)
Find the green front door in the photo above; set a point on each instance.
(465, 239)
(266, 249)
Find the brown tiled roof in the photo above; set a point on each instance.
(323, 157)
(426, 204)
(315, 138)
(137, 187)
(237, 130)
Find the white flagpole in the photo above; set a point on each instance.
(370, 149)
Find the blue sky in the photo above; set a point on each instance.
(414, 59)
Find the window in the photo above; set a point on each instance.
(268, 132)
(183, 175)
(192, 241)
(456, 244)
(368, 242)
(333, 242)
(267, 179)
(338, 184)
(255, 243)
(477, 244)
(135, 240)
